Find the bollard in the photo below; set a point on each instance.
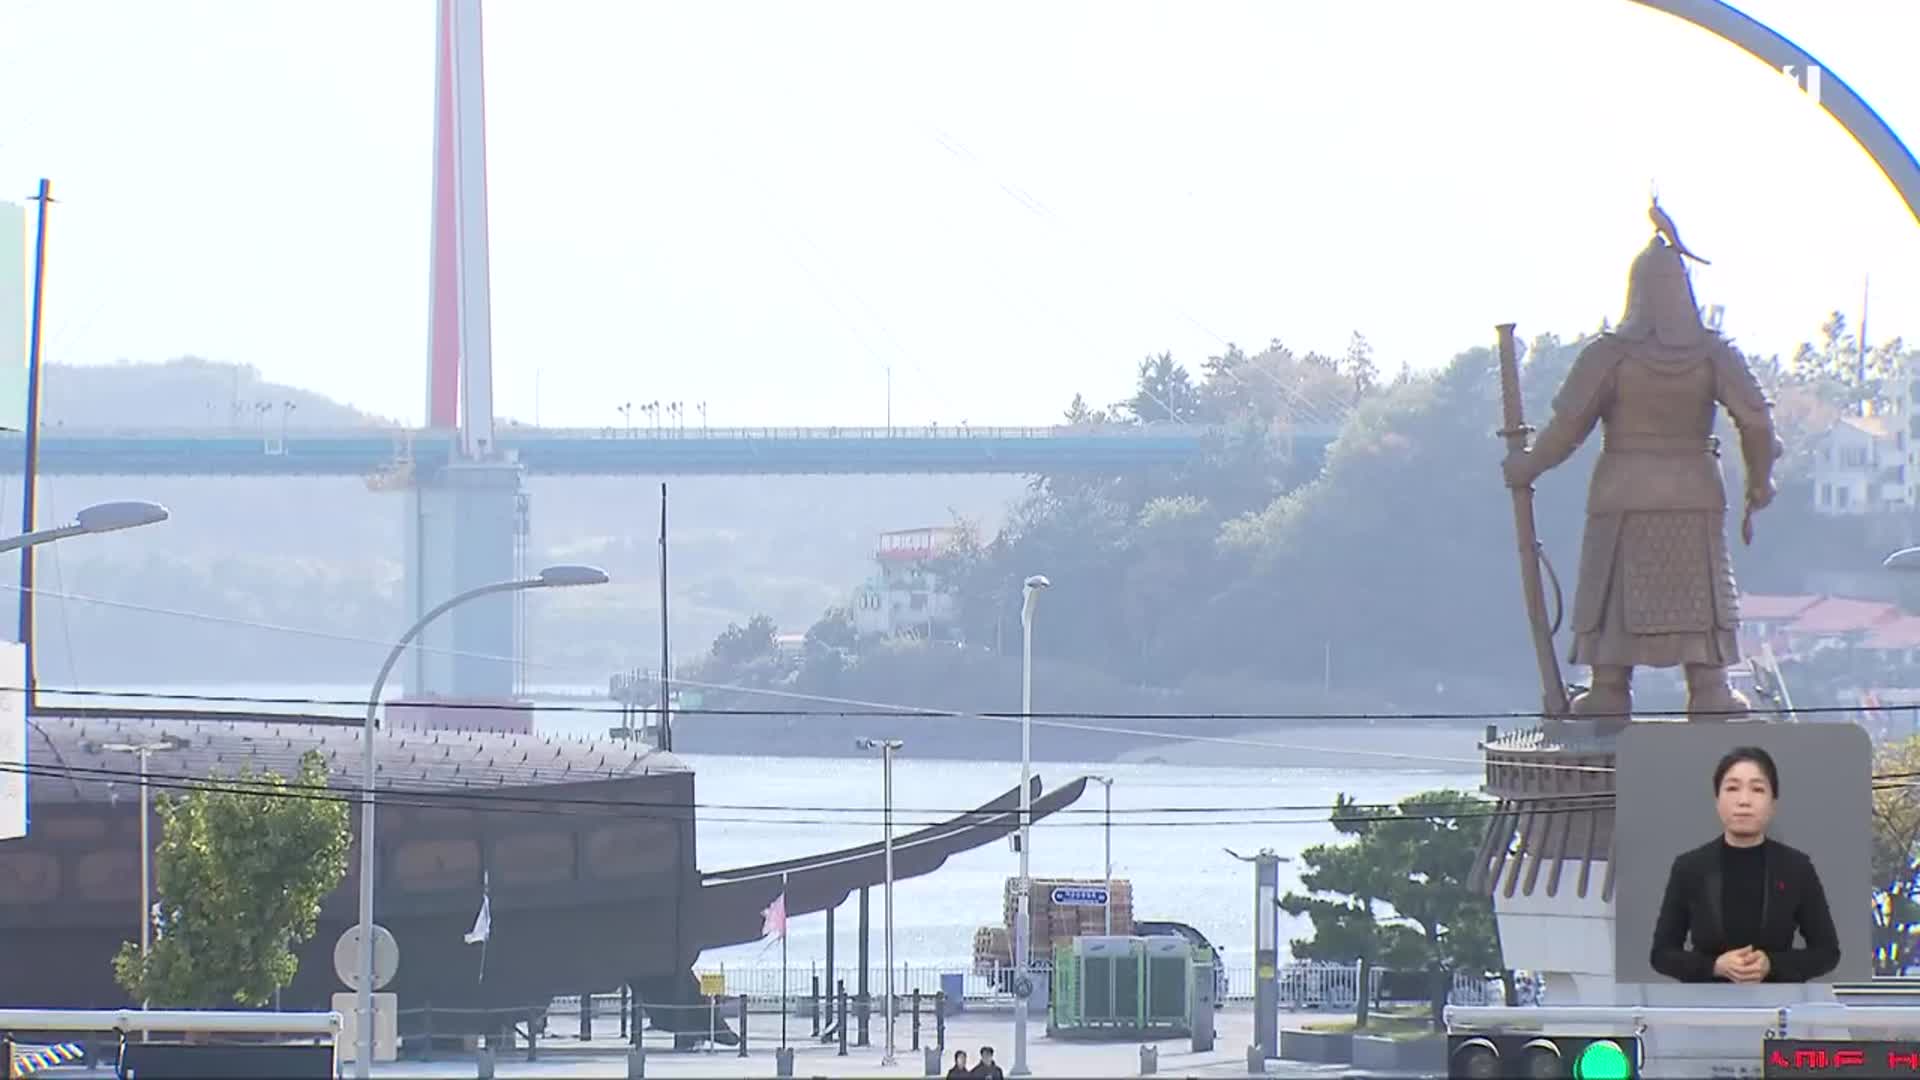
(1150, 1060)
(586, 1017)
(743, 1025)
(1256, 1062)
(814, 999)
(483, 1062)
(636, 1062)
(783, 1061)
(931, 1062)
(916, 1019)
(940, 1021)
(841, 1027)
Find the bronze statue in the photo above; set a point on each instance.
(1656, 585)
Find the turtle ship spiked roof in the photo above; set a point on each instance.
(588, 851)
(1551, 829)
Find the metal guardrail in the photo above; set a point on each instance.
(1303, 986)
(202, 1021)
(1780, 1020)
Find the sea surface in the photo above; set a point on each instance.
(1174, 827)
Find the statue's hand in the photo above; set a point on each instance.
(1760, 496)
(1518, 468)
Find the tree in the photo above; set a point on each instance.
(1414, 859)
(1358, 365)
(738, 646)
(1896, 859)
(1165, 394)
(242, 868)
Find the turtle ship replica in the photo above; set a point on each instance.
(587, 855)
(1655, 588)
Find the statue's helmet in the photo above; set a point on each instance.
(1660, 301)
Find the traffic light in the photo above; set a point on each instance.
(1543, 1057)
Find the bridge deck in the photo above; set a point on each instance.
(615, 452)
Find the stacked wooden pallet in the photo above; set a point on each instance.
(1053, 923)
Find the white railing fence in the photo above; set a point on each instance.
(1302, 986)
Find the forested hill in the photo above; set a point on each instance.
(1387, 579)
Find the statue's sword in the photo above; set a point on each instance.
(1553, 688)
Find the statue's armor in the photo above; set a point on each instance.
(1656, 585)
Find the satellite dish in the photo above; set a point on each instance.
(346, 957)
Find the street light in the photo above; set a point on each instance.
(1108, 828)
(146, 848)
(101, 518)
(1023, 929)
(886, 748)
(553, 577)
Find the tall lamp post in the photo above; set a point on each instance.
(100, 518)
(886, 748)
(1023, 927)
(151, 746)
(1107, 827)
(553, 577)
(1905, 559)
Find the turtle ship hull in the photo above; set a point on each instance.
(586, 854)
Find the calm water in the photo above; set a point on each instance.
(1176, 860)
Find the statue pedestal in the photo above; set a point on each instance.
(1552, 886)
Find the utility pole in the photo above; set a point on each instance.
(666, 719)
(1266, 955)
(32, 466)
(1107, 828)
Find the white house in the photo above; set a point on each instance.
(906, 598)
(1865, 465)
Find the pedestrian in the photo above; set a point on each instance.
(959, 1070)
(988, 1069)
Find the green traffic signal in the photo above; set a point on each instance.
(1603, 1059)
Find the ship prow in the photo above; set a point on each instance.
(731, 902)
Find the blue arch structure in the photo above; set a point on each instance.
(1836, 97)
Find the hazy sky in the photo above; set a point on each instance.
(764, 206)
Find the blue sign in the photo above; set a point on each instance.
(1080, 895)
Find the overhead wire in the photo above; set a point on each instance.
(1049, 720)
(881, 711)
(529, 796)
(1071, 721)
(512, 801)
(435, 799)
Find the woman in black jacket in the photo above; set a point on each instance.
(1742, 896)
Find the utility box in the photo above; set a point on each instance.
(1123, 987)
(1201, 1007)
(386, 1026)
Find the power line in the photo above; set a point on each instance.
(272, 785)
(509, 795)
(1043, 720)
(864, 710)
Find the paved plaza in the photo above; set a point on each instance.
(559, 1056)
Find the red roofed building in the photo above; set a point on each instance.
(1835, 619)
(1764, 619)
(1898, 635)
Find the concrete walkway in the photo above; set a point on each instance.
(561, 1057)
